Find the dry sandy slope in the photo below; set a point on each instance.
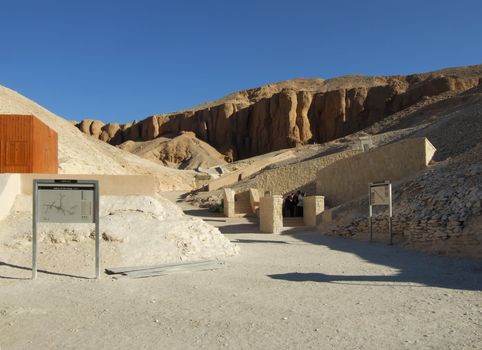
(185, 151)
(294, 291)
(138, 230)
(80, 154)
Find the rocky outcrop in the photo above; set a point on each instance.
(112, 132)
(292, 113)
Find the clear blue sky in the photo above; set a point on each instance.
(122, 60)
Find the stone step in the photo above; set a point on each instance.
(293, 221)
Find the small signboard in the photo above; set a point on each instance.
(65, 201)
(380, 194)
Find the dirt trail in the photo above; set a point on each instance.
(299, 290)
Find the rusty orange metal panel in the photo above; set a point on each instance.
(45, 152)
(27, 145)
(15, 136)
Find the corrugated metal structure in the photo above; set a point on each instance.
(27, 145)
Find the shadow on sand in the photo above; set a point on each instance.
(258, 241)
(203, 213)
(413, 266)
(217, 219)
(2, 263)
(240, 228)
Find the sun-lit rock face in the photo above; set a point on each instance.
(292, 113)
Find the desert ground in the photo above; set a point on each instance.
(297, 290)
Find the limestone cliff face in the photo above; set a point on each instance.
(284, 115)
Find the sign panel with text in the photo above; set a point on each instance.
(65, 201)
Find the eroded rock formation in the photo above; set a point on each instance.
(291, 113)
(184, 151)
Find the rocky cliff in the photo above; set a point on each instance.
(292, 113)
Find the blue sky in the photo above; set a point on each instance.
(122, 60)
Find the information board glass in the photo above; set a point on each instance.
(380, 194)
(66, 204)
(65, 201)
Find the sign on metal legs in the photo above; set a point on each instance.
(380, 193)
(65, 201)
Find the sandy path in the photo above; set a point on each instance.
(294, 291)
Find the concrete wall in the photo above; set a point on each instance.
(348, 179)
(10, 187)
(299, 175)
(270, 214)
(313, 207)
(114, 185)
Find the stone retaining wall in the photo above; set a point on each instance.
(243, 173)
(348, 179)
(312, 210)
(439, 211)
(298, 175)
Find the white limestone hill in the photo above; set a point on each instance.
(82, 154)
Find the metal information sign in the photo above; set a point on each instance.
(65, 201)
(380, 193)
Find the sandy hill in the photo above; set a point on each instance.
(182, 152)
(82, 154)
(136, 230)
(293, 113)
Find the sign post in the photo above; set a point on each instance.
(380, 193)
(65, 201)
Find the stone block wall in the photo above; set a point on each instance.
(439, 211)
(257, 165)
(331, 215)
(431, 236)
(270, 214)
(313, 207)
(242, 203)
(348, 179)
(299, 175)
(236, 204)
(254, 199)
(228, 203)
